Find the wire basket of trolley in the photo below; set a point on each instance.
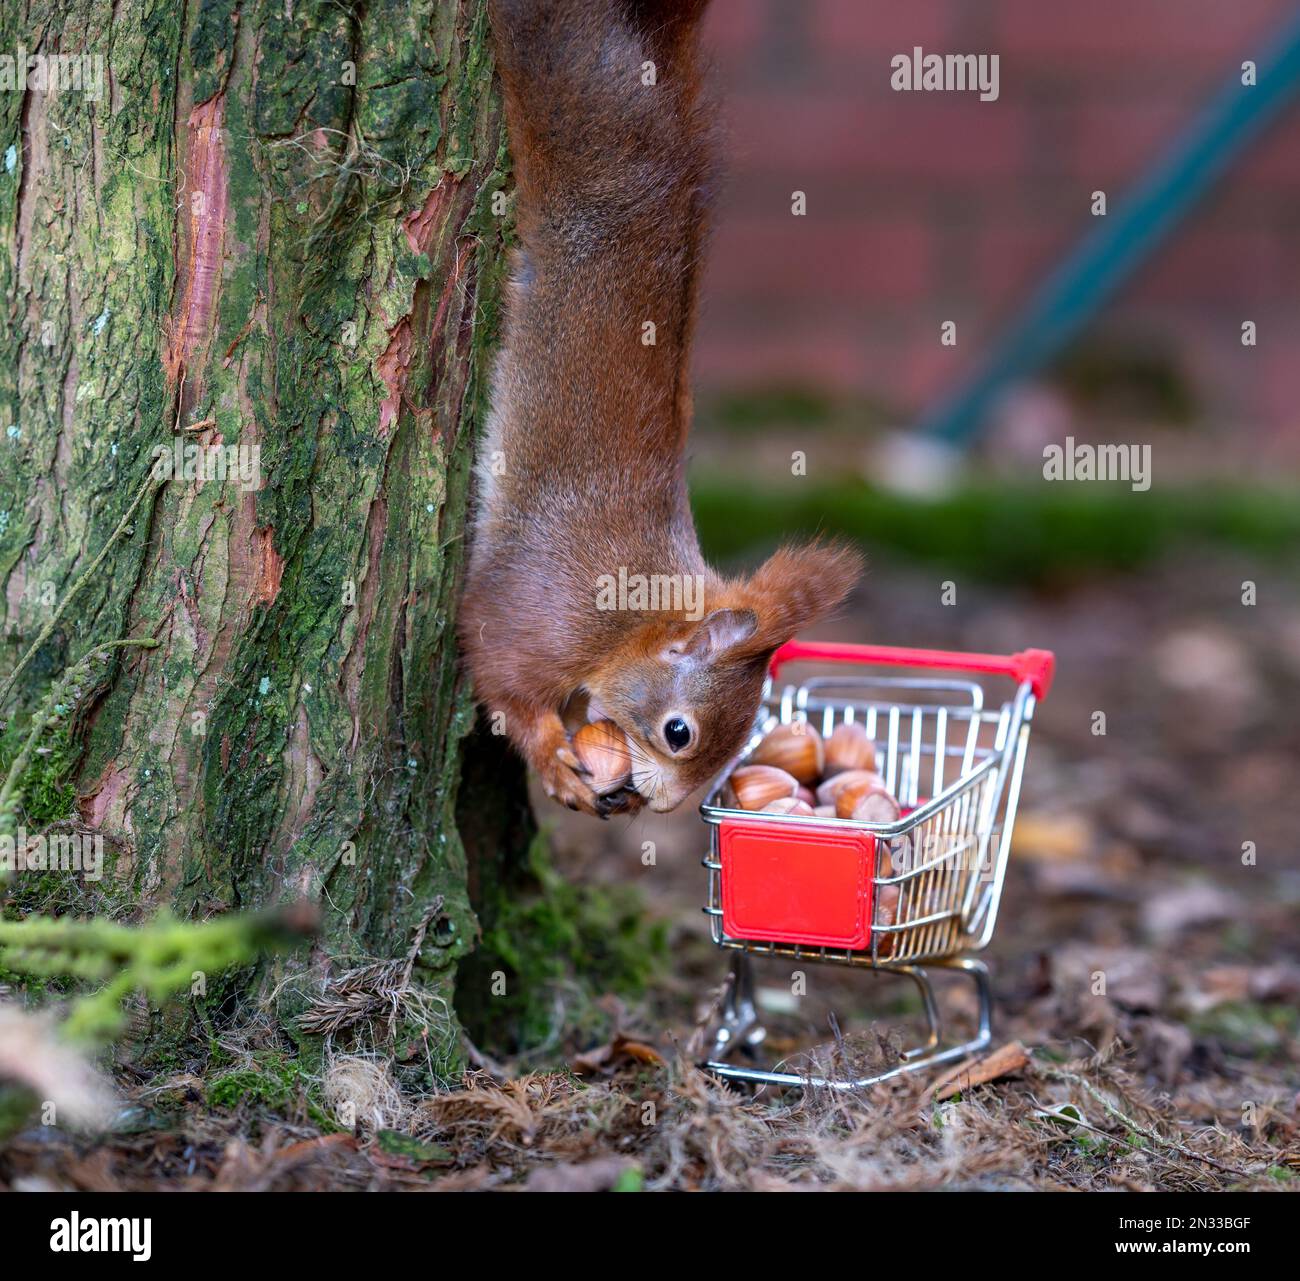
(910, 885)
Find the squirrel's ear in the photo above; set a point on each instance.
(795, 587)
(716, 632)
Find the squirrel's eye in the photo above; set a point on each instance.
(677, 733)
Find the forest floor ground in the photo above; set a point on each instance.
(1128, 862)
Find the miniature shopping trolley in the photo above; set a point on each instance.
(905, 897)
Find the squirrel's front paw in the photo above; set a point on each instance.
(562, 778)
(542, 740)
(566, 781)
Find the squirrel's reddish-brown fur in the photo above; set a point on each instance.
(582, 471)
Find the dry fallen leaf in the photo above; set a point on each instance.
(605, 1058)
(1200, 903)
(1131, 977)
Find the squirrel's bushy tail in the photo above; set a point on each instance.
(798, 585)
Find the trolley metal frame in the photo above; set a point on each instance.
(955, 764)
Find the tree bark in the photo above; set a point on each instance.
(274, 229)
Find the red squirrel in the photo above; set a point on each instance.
(582, 472)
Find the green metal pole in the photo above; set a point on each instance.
(1105, 258)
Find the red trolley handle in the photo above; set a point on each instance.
(1036, 666)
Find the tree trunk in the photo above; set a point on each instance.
(267, 233)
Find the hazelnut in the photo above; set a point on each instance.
(886, 913)
(831, 788)
(751, 787)
(794, 747)
(788, 805)
(849, 748)
(875, 806)
(602, 751)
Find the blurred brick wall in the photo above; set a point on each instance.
(925, 207)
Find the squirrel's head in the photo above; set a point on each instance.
(686, 693)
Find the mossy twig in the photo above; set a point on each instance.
(158, 959)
